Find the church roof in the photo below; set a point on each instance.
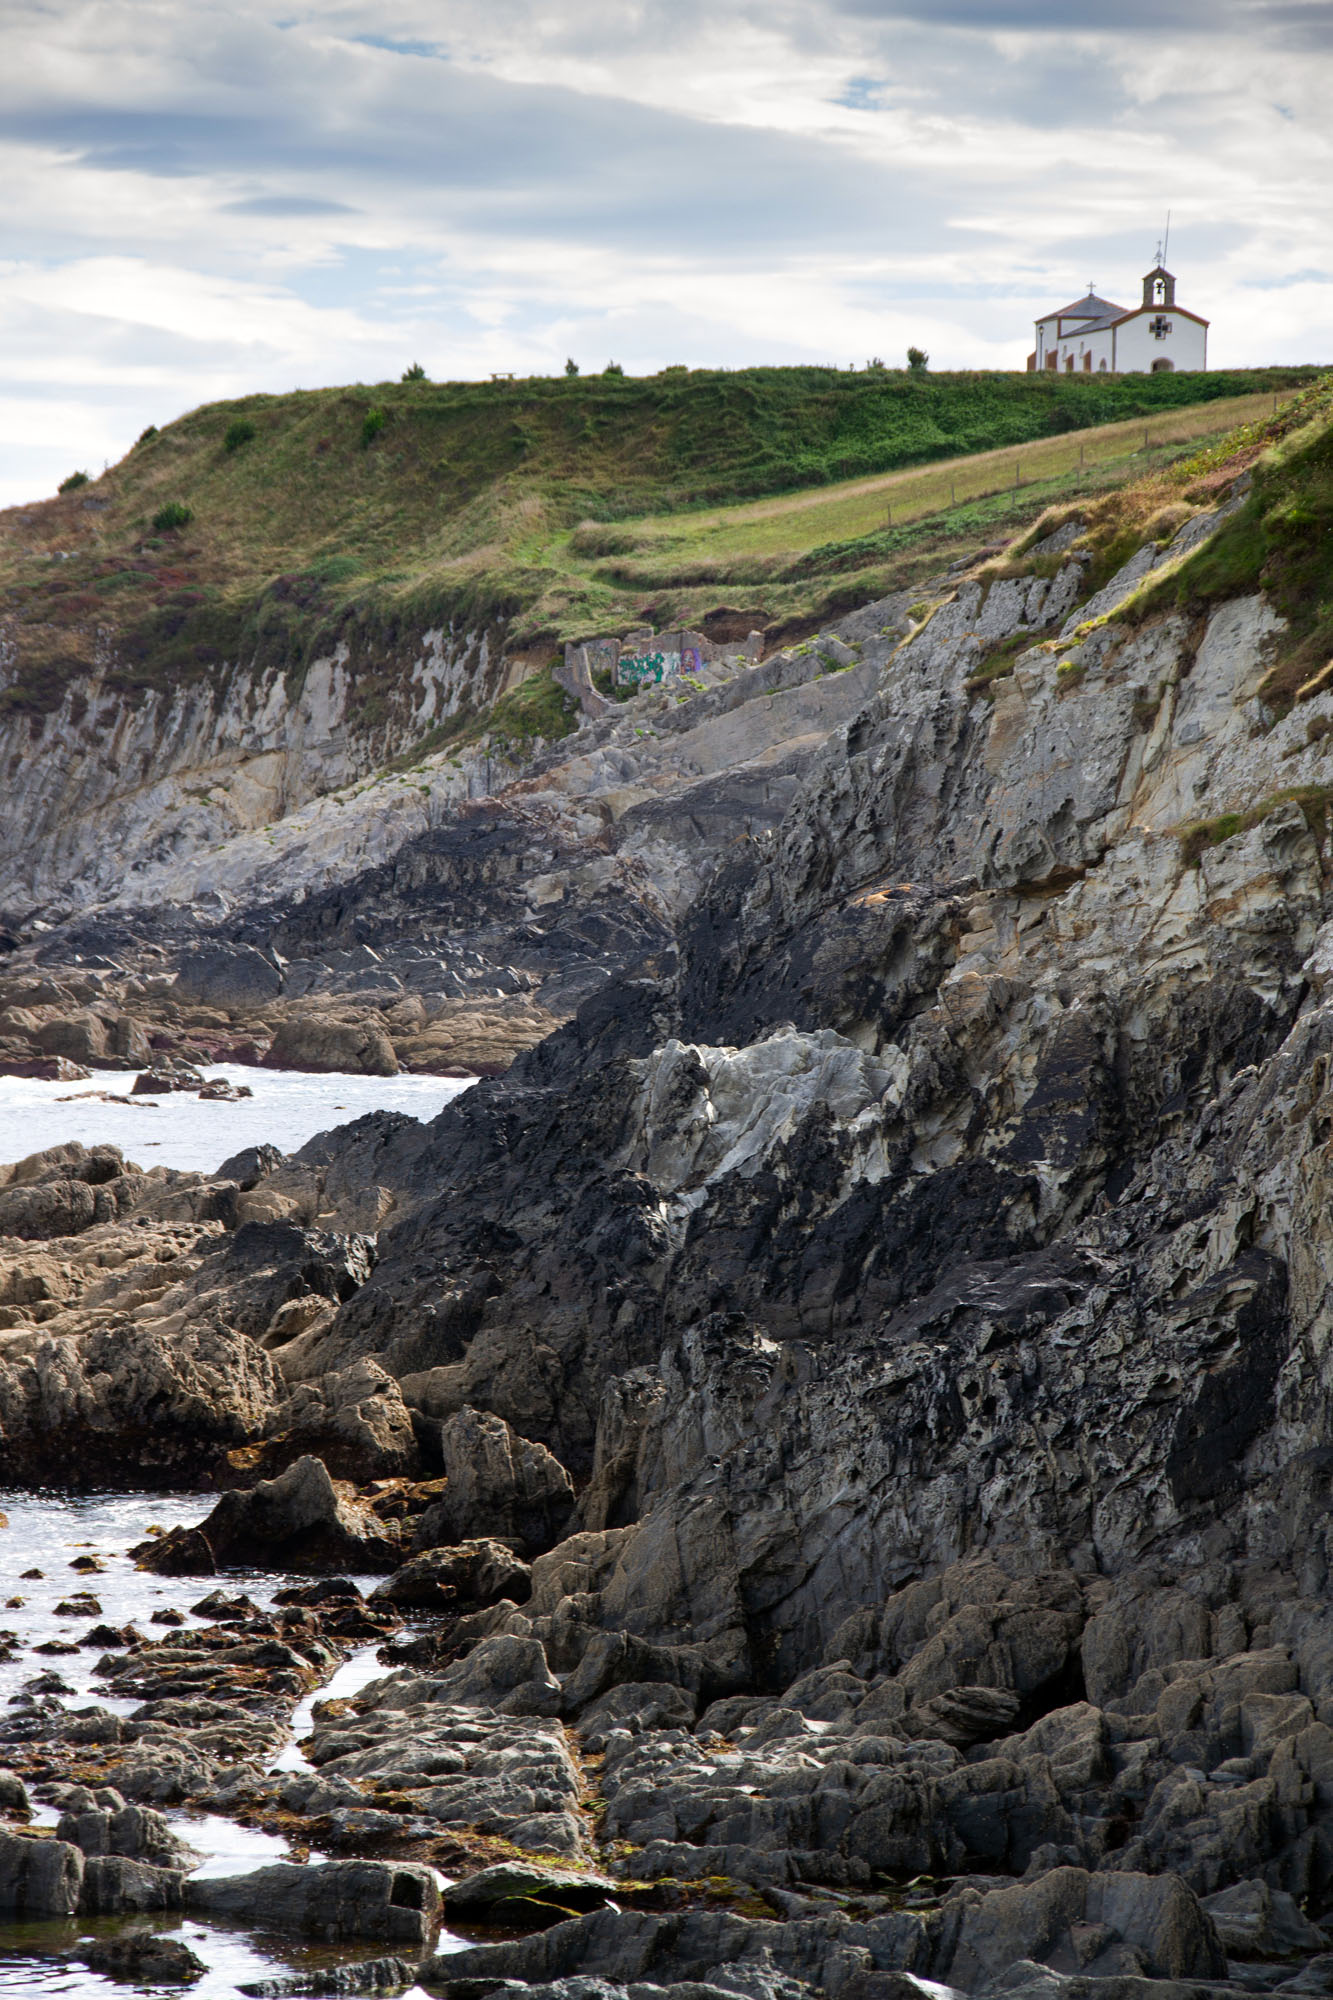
(1089, 308)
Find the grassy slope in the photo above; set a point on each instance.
(1279, 466)
(465, 503)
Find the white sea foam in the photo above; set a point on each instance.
(287, 1108)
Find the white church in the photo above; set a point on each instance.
(1094, 337)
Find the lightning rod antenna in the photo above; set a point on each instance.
(1166, 241)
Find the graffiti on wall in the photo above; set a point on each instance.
(658, 664)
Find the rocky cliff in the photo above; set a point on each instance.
(888, 1321)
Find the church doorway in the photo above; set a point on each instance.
(1164, 367)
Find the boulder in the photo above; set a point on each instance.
(49, 1209)
(520, 1892)
(319, 1043)
(39, 1878)
(300, 1520)
(13, 1792)
(500, 1484)
(1254, 1921)
(1103, 1925)
(133, 1831)
(467, 1578)
(508, 1674)
(16, 1061)
(234, 978)
(145, 1957)
(114, 1885)
(338, 1901)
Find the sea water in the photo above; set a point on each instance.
(50, 1533)
(180, 1130)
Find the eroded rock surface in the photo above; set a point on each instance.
(847, 1412)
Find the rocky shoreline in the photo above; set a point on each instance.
(844, 1415)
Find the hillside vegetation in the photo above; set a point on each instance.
(270, 527)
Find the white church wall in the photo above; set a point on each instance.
(1137, 346)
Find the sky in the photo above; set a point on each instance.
(203, 198)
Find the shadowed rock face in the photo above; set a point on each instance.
(866, 1373)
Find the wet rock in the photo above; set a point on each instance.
(161, 1081)
(466, 1578)
(371, 1975)
(517, 1892)
(144, 1956)
(13, 1793)
(114, 1885)
(39, 1878)
(339, 1901)
(118, 1829)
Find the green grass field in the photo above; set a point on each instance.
(564, 507)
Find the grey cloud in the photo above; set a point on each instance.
(509, 159)
(287, 205)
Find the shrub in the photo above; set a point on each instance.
(571, 366)
(238, 434)
(147, 436)
(918, 360)
(416, 373)
(372, 424)
(75, 479)
(875, 366)
(613, 368)
(174, 515)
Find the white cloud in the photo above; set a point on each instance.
(206, 201)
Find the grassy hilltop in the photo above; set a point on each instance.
(272, 526)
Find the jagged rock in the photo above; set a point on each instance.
(468, 1577)
(499, 1483)
(334, 1900)
(1103, 1925)
(299, 1520)
(132, 1831)
(236, 978)
(1254, 1921)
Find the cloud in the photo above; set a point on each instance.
(202, 202)
(287, 205)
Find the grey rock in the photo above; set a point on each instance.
(371, 1975)
(114, 1885)
(39, 1878)
(144, 1956)
(340, 1901)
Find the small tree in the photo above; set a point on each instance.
(174, 515)
(875, 366)
(571, 366)
(917, 360)
(71, 485)
(613, 368)
(416, 373)
(372, 424)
